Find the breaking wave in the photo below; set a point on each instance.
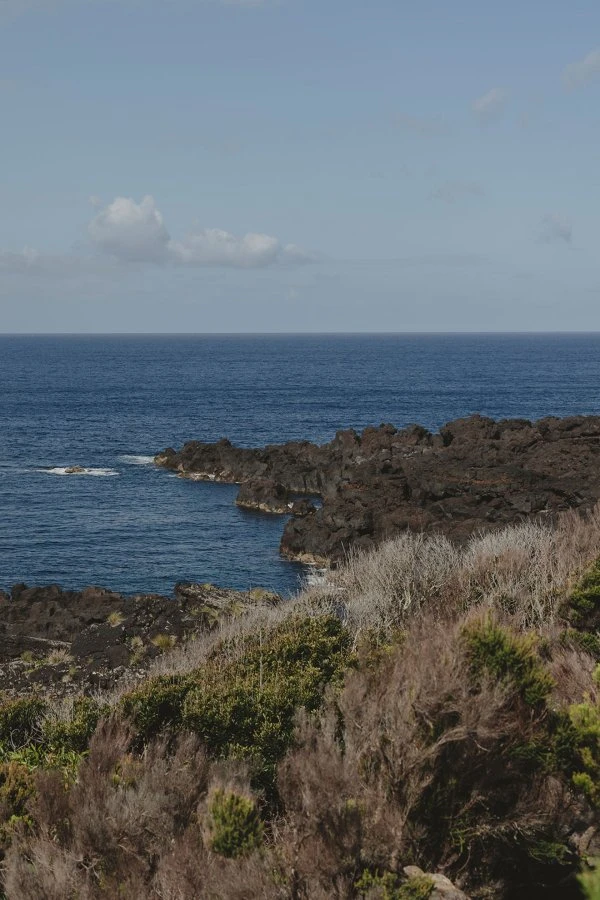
(77, 470)
(137, 460)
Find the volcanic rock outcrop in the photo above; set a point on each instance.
(67, 641)
(476, 473)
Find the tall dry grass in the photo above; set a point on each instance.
(524, 571)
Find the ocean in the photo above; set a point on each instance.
(109, 403)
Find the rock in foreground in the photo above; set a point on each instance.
(64, 642)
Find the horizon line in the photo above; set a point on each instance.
(240, 334)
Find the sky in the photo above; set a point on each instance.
(299, 165)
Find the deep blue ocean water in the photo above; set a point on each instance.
(105, 403)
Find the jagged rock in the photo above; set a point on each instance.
(66, 641)
(475, 474)
(265, 495)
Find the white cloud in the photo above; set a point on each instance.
(126, 232)
(136, 232)
(555, 228)
(130, 231)
(578, 73)
(214, 247)
(490, 105)
(452, 191)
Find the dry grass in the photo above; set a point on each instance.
(421, 757)
(523, 571)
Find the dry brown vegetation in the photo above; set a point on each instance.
(447, 715)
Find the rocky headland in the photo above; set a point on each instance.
(475, 474)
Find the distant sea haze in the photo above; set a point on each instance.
(108, 404)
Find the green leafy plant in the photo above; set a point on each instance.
(582, 609)
(73, 733)
(17, 787)
(390, 886)
(590, 883)
(20, 720)
(509, 658)
(234, 824)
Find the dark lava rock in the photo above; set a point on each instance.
(265, 495)
(477, 473)
(68, 641)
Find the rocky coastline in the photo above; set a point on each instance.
(474, 474)
(349, 494)
(66, 642)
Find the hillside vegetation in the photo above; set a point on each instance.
(430, 706)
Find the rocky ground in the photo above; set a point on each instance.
(65, 642)
(474, 474)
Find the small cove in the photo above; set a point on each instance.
(109, 403)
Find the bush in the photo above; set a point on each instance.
(389, 886)
(247, 708)
(74, 733)
(20, 721)
(510, 659)
(590, 882)
(234, 824)
(164, 642)
(156, 705)
(585, 719)
(17, 787)
(583, 606)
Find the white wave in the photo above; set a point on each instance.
(78, 470)
(137, 460)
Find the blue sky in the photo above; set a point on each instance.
(296, 165)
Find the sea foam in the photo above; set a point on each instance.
(76, 470)
(132, 460)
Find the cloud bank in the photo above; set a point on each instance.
(578, 73)
(136, 232)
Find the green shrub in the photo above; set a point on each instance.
(585, 719)
(20, 720)
(390, 886)
(234, 823)
(508, 658)
(17, 787)
(247, 708)
(74, 733)
(590, 882)
(584, 640)
(155, 705)
(583, 606)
